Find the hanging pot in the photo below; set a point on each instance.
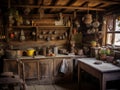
(87, 19)
(96, 24)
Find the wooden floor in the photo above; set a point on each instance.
(66, 86)
(73, 86)
(54, 87)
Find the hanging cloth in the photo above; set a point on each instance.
(64, 66)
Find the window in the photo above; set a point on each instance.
(113, 31)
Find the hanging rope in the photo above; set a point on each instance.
(88, 7)
(9, 3)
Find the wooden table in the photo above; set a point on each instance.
(104, 72)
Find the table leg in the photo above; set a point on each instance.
(102, 83)
(79, 76)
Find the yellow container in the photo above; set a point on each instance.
(30, 52)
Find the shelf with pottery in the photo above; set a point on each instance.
(22, 33)
(33, 33)
(52, 33)
(23, 26)
(32, 30)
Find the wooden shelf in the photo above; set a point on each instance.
(54, 26)
(58, 7)
(23, 26)
(40, 26)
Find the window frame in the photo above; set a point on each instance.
(113, 32)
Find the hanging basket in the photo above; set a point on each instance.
(87, 19)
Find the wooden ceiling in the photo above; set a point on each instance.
(65, 6)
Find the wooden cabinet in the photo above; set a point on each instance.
(45, 71)
(30, 69)
(38, 71)
(58, 75)
(11, 65)
(41, 70)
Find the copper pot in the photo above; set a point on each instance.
(19, 53)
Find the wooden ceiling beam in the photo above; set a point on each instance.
(102, 1)
(59, 7)
(53, 2)
(68, 4)
(98, 5)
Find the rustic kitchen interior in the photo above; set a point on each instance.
(59, 44)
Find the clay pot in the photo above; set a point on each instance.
(10, 54)
(103, 57)
(48, 38)
(19, 53)
(52, 38)
(93, 43)
(22, 38)
(54, 32)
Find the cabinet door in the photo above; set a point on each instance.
(45, 71)
(30, 69)
(58, 75)
(11, 65)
